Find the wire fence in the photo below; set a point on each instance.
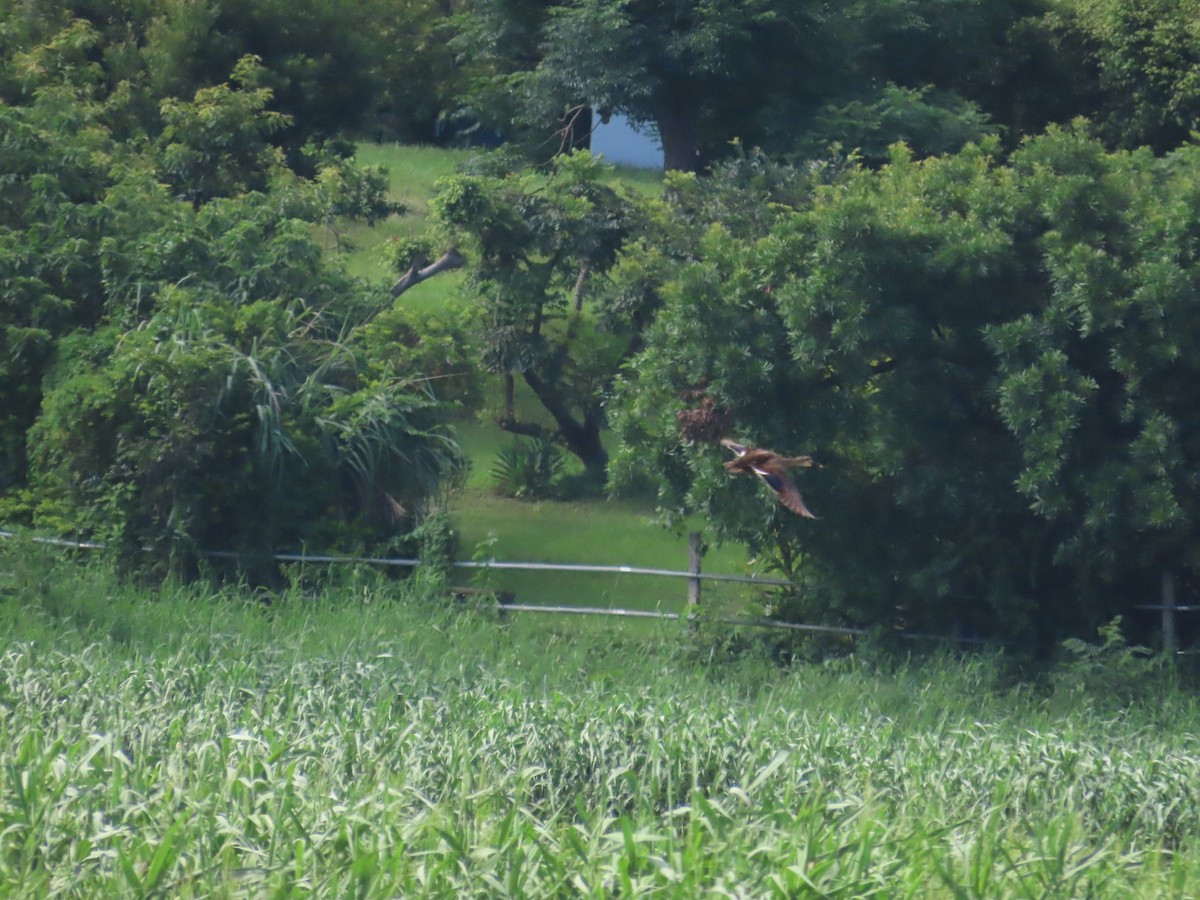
(496, 564)
(506, 603)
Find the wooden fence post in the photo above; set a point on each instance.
(695, 554)
(1168, 614)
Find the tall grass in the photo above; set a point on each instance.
(362, 741)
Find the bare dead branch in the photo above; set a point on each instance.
(568, 139)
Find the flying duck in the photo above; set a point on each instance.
(771, 468)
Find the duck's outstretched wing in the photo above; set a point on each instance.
(785, 491)
(733, 445)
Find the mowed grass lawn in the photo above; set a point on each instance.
(593, 532)
(361, 741)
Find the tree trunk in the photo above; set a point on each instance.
(677, 130)
(584, 268)
(580, 436)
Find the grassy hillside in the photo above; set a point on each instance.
(413, 171)
(361, 742)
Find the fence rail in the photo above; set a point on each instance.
(693, 574)
(60, 542)
(755, 621)
(496, 564)
(487, 564)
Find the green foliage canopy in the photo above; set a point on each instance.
(1143, 57)
(539, 245)
(785, 76)
(988, 359)
(183, 369)
(332, 66)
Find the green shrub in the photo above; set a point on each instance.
(528, 470)
(205, 430)
(1112, 669)
(436, 343)
(437, 546)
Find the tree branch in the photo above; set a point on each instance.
(581, 438)
(528, 429)
(420, 270)
(584, 268)
(570, 137)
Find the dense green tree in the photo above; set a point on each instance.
(332, 66)
(984, 53)
(988, 361)
(419, 77)
(1097, 383)
(683, 67)
(497, 43)
(215, 144)
(53, 170)
(178, 357)
(1144, 57)
(927, 122)
(700, 73)
(538, 245)
(781, 76)
(839, 327)
(321, 59)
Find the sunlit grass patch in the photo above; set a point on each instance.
(613, 533)
(591, 532)
(413, 170)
